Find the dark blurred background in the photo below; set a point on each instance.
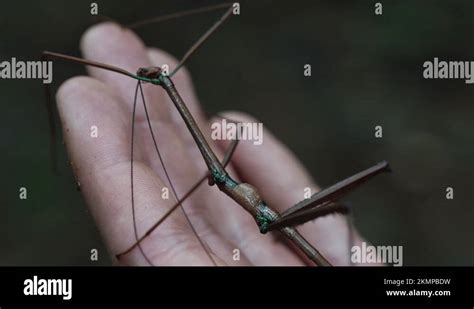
(366, 71)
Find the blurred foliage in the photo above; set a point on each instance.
(367, 71)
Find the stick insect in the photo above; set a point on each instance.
(267, 219)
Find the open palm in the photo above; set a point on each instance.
(102, 166)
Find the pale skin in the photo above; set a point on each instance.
(102, 167)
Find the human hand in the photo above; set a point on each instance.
(102, 167)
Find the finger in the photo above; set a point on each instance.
(282, 182)
(103, 168)
(115, 45)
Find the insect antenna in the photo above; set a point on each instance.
(202, 39)
(162, 18)
(48, 54)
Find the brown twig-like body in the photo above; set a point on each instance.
(244, 194)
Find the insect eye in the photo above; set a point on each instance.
(142, 72)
